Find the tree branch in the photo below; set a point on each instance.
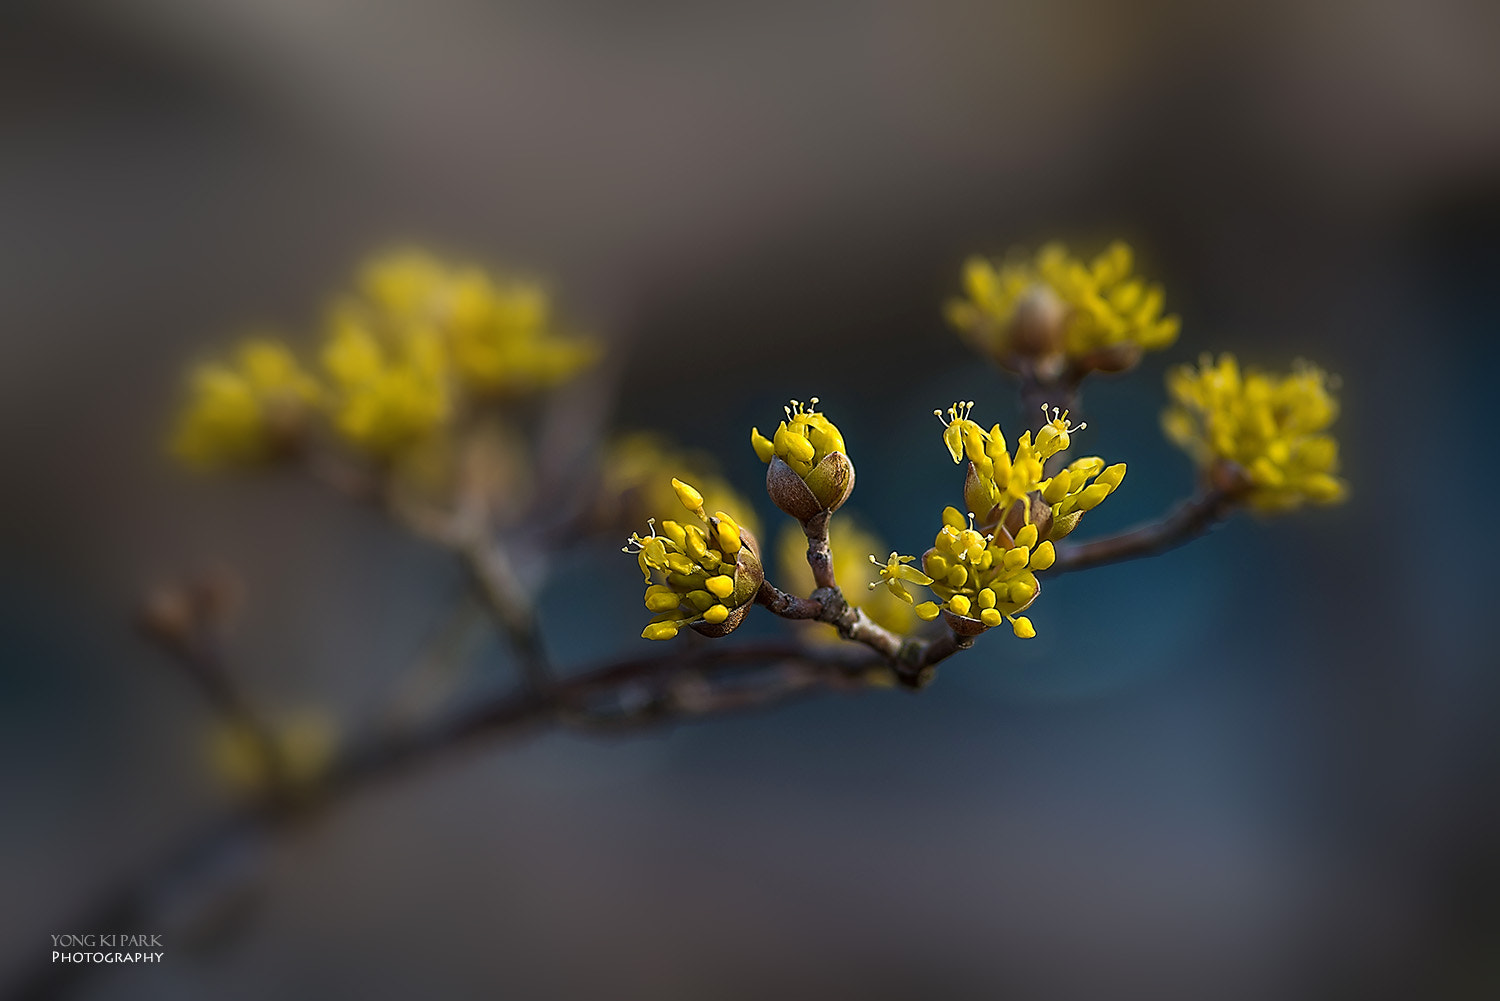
(1187, 521)
(622, 695)
(913, 658)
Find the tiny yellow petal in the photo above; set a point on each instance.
(716, 614)
(662, 600)
(1022, 627)
(690, 497)
(927, 611)
(1044, 556)
(722, 586)
(659, 631)
(764, 448)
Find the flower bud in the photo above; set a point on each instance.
(701, 577)
(808, 472)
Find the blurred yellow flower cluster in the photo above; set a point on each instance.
(415, 340)
(499, 332)
(303, 742)
(247, 410)
(1053, 310)
(848, 541)
(1259, 433)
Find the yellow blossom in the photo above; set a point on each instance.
(246, 411)
(982, 566)
(1264, 434)
(1054, 309)
(980, 578)
(700, 576)
(808, 469)
(849, 544)
(1011, 487)
(894, 571)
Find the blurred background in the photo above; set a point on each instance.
(1263, 766)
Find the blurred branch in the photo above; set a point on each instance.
(623, 695)
(465, 533)
(1186, 522)
(186, 621)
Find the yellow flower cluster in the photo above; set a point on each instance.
(1012, 487)
(245, 411)
(982, 579)
(400, 352)
(984, 567)
(847, 541)
(1261, 433)
(809, 471)
(636, 471)
(703, 577)
(1055, 309)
